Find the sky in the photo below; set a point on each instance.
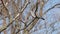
(52, 16)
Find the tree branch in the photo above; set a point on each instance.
(6, 26)
(35, 19)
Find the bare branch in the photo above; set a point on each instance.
(5, 27)
(4, 23)
(51, 8)
(5, 9)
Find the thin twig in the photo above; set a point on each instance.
(5, 8)
(35, 18)
(51, 8)
(5, 27)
